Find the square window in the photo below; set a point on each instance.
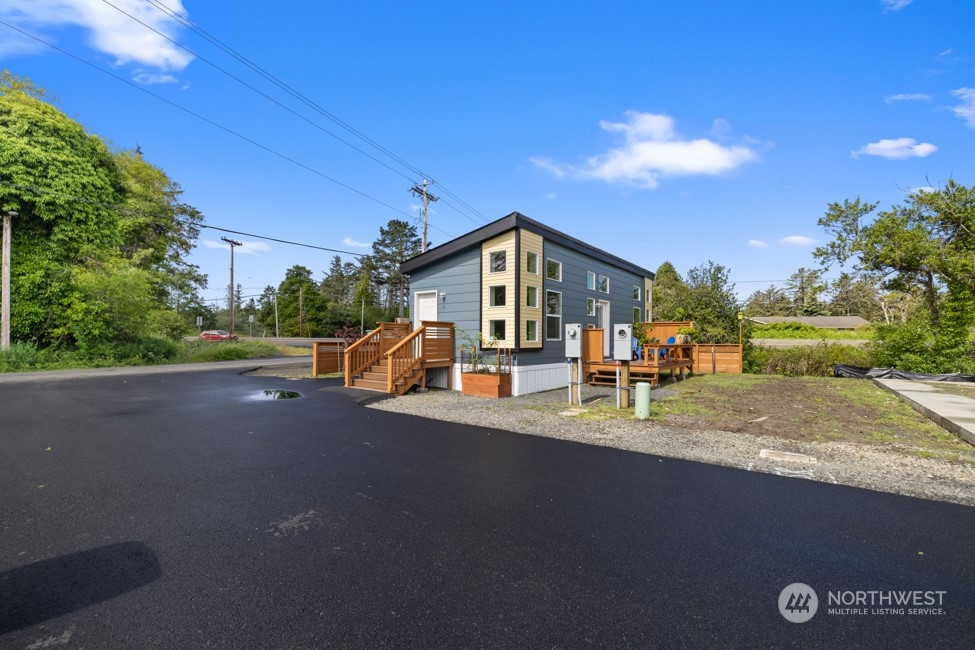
(498, 262)
(553, 270)
(496, 329)
(531, 263)
(531, 297)
(603, 284)
(497, 296)
(531, 331)
(590, 306)
(590, 280)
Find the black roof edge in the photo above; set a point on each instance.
(510, 222)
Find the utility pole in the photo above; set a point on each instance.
(5, 325)
(276, 332)
(233, 300)
(421, 191)
(301, 308)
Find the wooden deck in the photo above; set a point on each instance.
(657, 358)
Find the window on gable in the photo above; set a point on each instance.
(531, 263)
(553, 270)
(497, 296)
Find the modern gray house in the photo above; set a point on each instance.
(517, 282)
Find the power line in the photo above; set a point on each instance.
(297, 95)
(208, 120)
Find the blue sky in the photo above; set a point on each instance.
(657, 131)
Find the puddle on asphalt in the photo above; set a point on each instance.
(274, 393)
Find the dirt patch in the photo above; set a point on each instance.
(805, 409)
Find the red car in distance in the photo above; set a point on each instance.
(217, 335)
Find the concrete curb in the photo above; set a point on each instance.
(954, 413)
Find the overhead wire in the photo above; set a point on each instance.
(209, 121)
(305, 100)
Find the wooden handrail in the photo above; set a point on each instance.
(403, 357)
(357, 360)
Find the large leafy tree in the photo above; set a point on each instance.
(713, 304)
(926, 246)
(97, 251)
(671, 296)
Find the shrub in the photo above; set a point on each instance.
(808, 360)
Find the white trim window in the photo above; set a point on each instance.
(531, 331)
(553, 315)
(636, 314)
(603, 284)
(636, 292)
(497, 295)
(590, 306)
(498, 262)
(531, 297)
(553, 270)
(531, 262)
(496, 330)
(590, 280)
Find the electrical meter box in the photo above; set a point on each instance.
(623, 341)
(573, 340)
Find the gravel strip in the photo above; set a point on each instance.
(888, 468)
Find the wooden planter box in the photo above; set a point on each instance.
(482, 384)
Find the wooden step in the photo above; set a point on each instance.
(370, 384)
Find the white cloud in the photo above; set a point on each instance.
(149, 79)
(797, 240)
(896, 149)
(348, 241)
(895, 5)
(108, 29)
(652, 150)
(907, 97)
(757, 243)
(965, 110)
(254, 248)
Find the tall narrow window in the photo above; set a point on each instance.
(590, 280)
(553, 270)
(553, 315)
(531, 263)
(496, 329)
(590, 306)
(497, 296)
(603, 284)
(531, 297)
(531, 331)
(636, 292)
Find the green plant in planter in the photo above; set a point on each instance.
(642, 333)
(473, 344)
(685, 334)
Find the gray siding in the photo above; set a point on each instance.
(459, 278)
(574, 294)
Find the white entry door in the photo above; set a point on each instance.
(425, 303)
(602, 312)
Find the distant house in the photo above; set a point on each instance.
(519, 282)
(825, 322)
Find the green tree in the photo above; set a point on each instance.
(397, 242)
(849, 296)
(768, 302)
(804, 288)
(925, 246)
(301, 307)
(671, 296)
(713, 306)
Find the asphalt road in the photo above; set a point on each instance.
(178, 511)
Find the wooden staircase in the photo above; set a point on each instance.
(375, 377)
(392, 359)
